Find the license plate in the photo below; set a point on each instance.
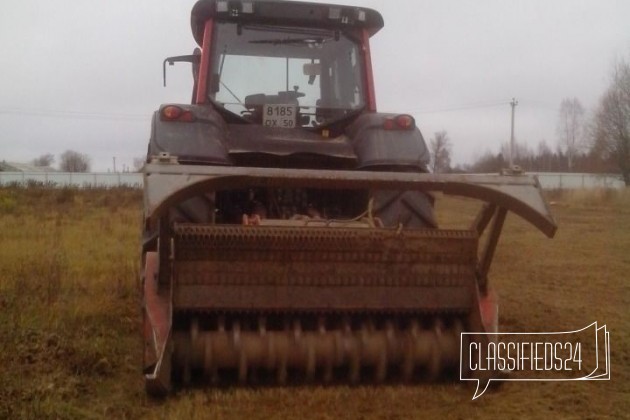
(280, 116)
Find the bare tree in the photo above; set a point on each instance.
(570, 127)
(71, 161)
(44, 160)
(488, 163)
(544, 156)
(611, 133)
(138, 164)
(520, 153)
(440, 148)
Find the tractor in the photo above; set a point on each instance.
(289, 230)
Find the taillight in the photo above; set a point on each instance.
(176, 113)
(406, 122)
(389, 124)
(399, 122)
(186, 116)
(171, 112)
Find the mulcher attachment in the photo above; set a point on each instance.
(335, 348)
(321, 270)
(304, 303)
(283, 302)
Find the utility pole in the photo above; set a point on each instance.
(513, 105)
(114, 163)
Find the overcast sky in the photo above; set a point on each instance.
(86, 75)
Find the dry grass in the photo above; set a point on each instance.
(69, 309)
(70, 342)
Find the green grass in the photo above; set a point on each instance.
(70, 320)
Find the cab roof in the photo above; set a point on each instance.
(284, 13)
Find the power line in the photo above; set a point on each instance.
(74, 114)
(144, 117)
(462, 107)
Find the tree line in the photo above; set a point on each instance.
(596, 144)
(600, 144)
(73, 161)
(69, 161)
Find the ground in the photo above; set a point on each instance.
(70, 317)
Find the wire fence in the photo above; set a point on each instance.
(70, 179)
(134, 180)
(572, 181)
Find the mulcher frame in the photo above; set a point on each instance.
(168, 183)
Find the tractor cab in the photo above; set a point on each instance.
(286, 77)
(284, 64)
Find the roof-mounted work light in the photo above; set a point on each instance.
(222, 6)
(334, 13)
(247, 7)
(347, 15)
(235, 7)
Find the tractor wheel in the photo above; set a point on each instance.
(409, 209)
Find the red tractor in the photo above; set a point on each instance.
(289, 232)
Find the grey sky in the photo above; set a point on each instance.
(86, 75)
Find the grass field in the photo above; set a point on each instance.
(70, 337)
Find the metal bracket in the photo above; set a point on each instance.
(164, 158)
(166, 185)
(498, 219)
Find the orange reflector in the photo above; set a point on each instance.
(187, 116)
(171, 112)
(389, 124)
(406, 122)
(399, 122)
